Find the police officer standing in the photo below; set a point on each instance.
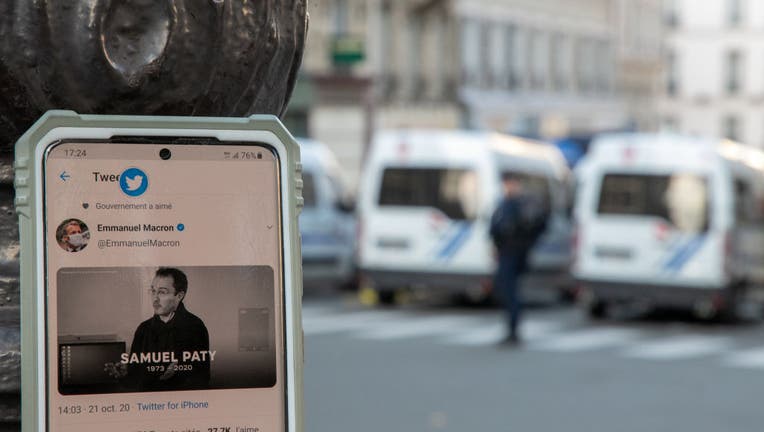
(516, 225)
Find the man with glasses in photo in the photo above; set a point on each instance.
(170, 350)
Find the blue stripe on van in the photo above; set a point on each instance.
(456, 241)
(684, 253)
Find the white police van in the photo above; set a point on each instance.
(327, 222)
(425, 202)
(668, 220)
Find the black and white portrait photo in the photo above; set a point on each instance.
(141, 329)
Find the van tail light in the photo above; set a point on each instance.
(575, 244)
(358, 239)
(486, 286)
(728, 252)
(662, 231)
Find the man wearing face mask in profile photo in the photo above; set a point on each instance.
(170, 350)
(72, 235)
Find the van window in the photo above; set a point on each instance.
(452, 191)
(679, 198)
(748, 208)
(537, 186)
(308, 189)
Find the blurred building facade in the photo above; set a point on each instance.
(714, 69)
(332, 100)
(640, 53)
(539, 68)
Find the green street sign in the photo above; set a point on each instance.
(348, 50)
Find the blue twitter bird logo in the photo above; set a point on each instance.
(133, 182)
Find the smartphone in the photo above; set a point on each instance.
(167, 301)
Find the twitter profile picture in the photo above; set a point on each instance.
(72, 235)
(133, 182)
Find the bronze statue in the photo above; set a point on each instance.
(179, 57)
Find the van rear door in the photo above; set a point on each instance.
(651, 228)
(424, 220)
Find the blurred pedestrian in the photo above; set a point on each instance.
(516, 224)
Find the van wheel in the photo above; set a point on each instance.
(386, 297)
(731, 313)
(597, 310)
(566, 296)
(728, 316)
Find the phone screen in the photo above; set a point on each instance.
(164, 298)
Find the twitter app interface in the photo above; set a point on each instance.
(164, 291)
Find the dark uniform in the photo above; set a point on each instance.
(184, 332)
(515, 226)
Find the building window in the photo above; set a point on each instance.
(566, 63)
(733, 64)
(340, 16)
(359, 11)
(520, 59)
(483, 70)
(603, 65)
(413, 62)
(529, 56)
(539, 46)
(559, 62)
(671, 14)
(731, 127)
(585, 65)
(734, 13)
(297, 120)
(443, 72)
(471, 52)
(672, 76)
(498, 75)
(386, 54)
(670, 124)
(510, 52)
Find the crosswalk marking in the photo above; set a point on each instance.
(546, 333)
(679, 347)
(311, 312)
(480, 336)
(347, 322)
(583, 340)
(422, 327)
(750, 358)
(493, 333)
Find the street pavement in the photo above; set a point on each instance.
(425, 367)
